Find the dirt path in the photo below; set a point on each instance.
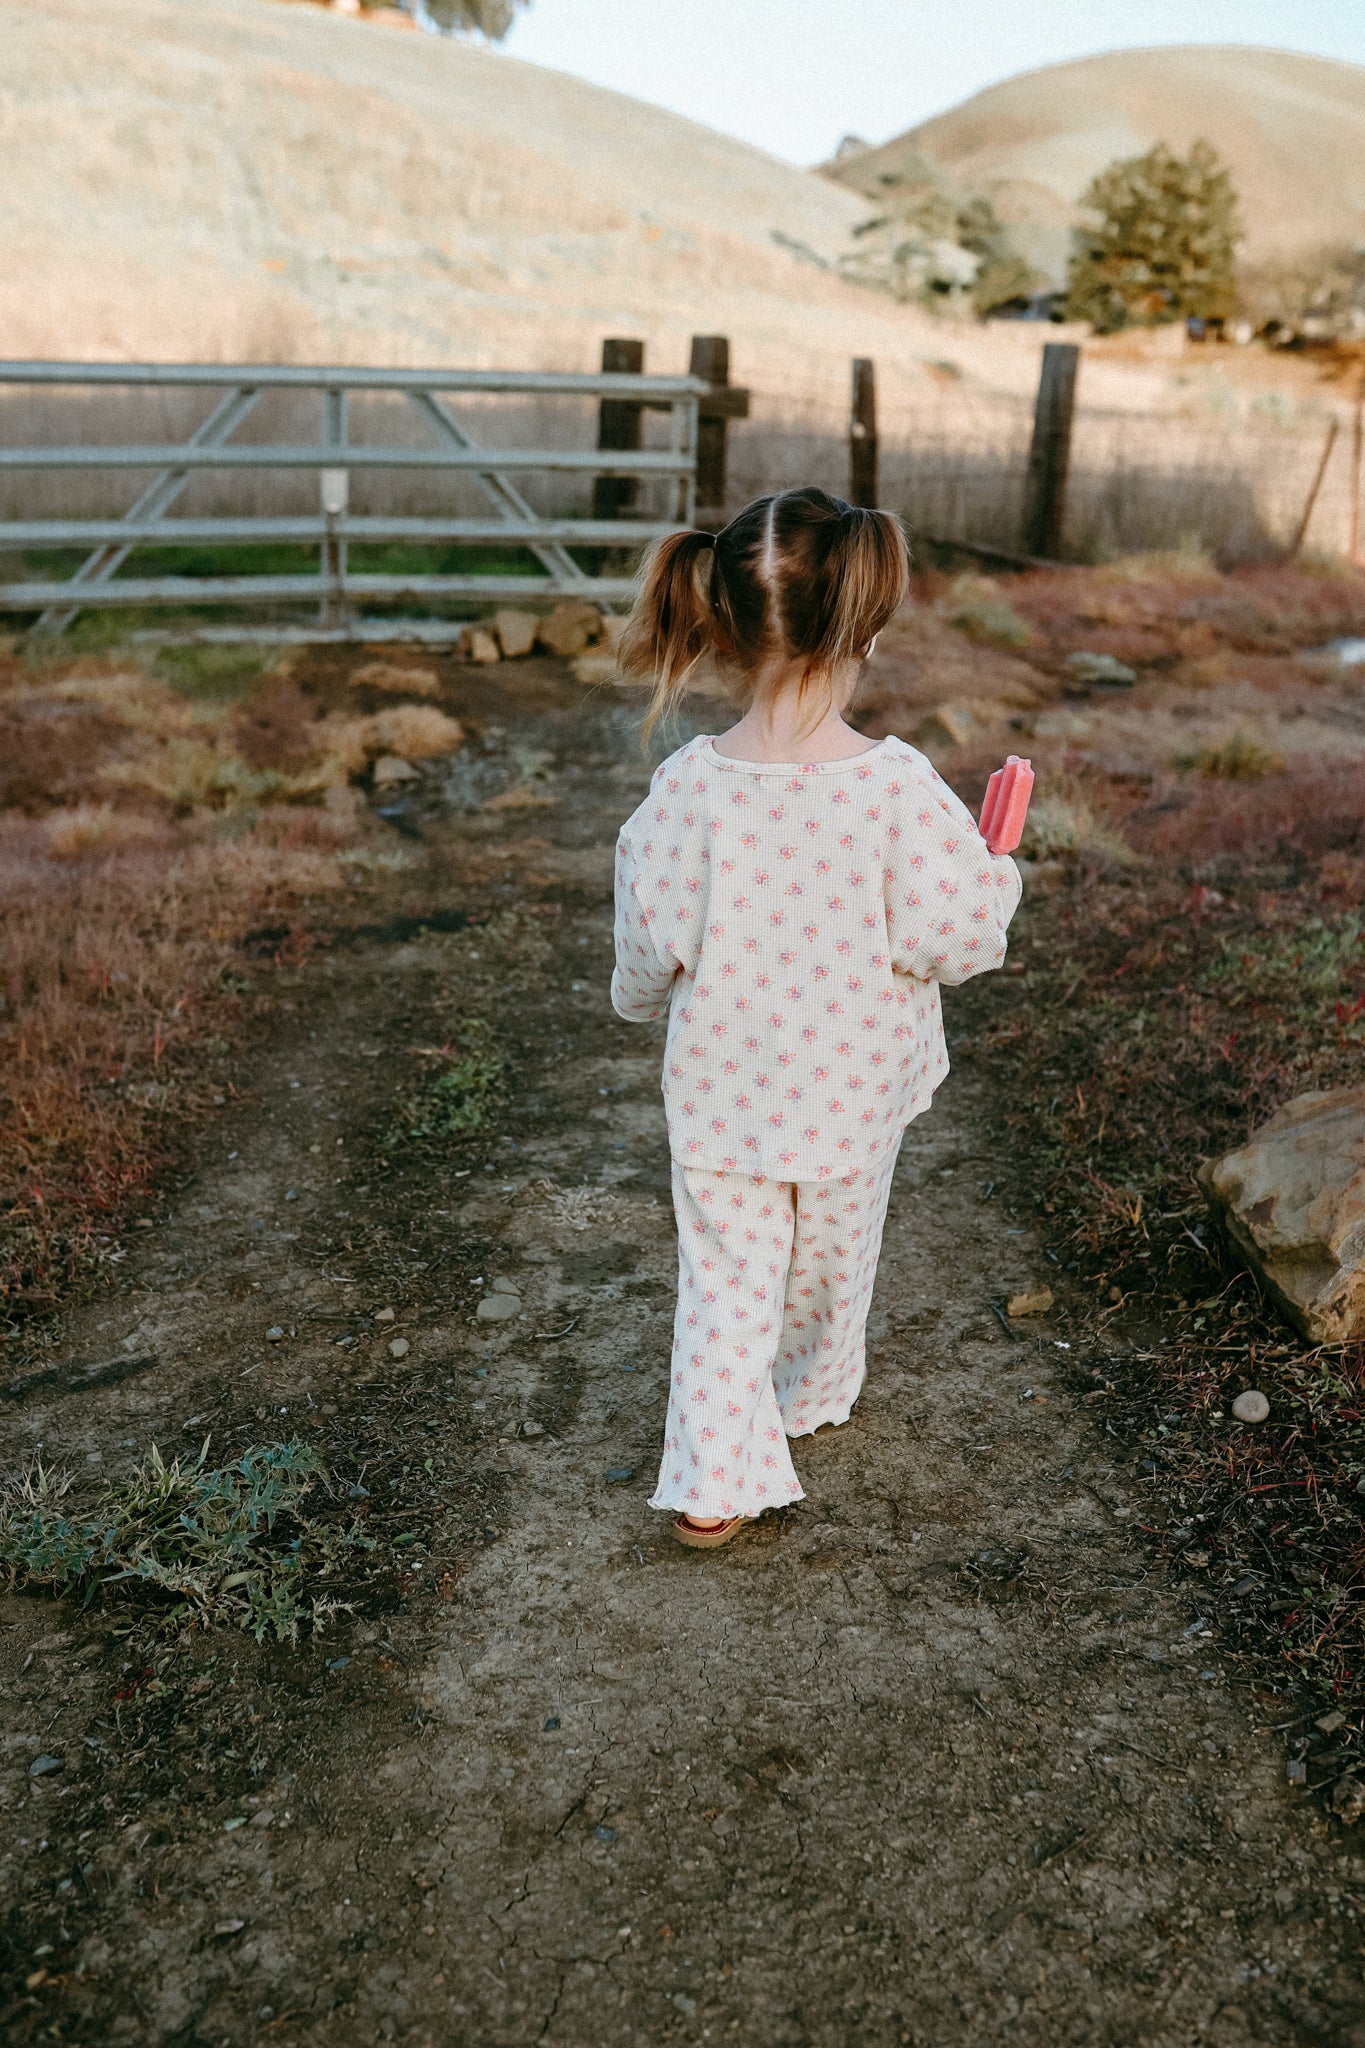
(934, 1758)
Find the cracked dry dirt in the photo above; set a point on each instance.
(935, 1757)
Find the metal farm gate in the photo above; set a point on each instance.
(448, 446)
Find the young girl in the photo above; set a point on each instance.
(791, 896)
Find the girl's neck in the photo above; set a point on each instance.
(777, 727)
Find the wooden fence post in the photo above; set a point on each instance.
(1305, 518)
(1357, 452)
(1050, 452)
(862, 435)
(618, 427)
(710, 360)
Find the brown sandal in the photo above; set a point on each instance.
(707, 1539)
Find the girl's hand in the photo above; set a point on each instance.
(1006, 805)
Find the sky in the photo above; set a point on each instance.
(793, 76)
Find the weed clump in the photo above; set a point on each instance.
(463, 1097)
(205, 1544)
(1239, 758)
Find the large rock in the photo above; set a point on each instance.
(570, 628)
(1292, 1200)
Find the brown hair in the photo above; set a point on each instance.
(801, 576)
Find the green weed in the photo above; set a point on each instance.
(1240, 758)
(209, 673)
(462, 1098)
(234, 1543)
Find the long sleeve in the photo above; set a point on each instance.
(949, 899)
(643, 979)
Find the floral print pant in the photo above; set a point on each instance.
(774, 1284)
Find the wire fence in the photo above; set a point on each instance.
(954, 466)
(952, 463)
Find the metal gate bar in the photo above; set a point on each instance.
(334, 530)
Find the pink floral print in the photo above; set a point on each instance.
(795, 923)
(774, 1283)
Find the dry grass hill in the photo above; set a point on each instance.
(1291, 127)
(236, 178)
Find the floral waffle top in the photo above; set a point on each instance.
(795, 924)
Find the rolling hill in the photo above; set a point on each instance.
(1291, 127)
(233, 178)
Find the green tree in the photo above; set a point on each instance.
(491, 18)
(1162, 245)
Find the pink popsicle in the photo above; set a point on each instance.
(1006, 805)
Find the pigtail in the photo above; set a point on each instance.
(670, 628)
(870, 579)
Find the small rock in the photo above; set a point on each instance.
(596, 670)
(605, 1834)
(497, 1308)
(1088, 667)
(516, 632)
(1348, 1800)
(533, 1429)
(947, 725)
(1034, 1301)
(620, 1475)
(1252, 1406)
(392, 768)
(1328, 1724)
(552, 1722)
(399, 1348)
(1296, 1771)
(291, 1194)
(223, 1928)
(383, 1315)
(265, 1818)
(502, 1286)
(44, 1765)
(570, 628)
(274, 1335)
(483, 648)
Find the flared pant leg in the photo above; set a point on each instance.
(822, 1360)
(774, 1283)
(725, 1450)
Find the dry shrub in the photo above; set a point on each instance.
(418, 732)
(85, 829)
(396, 680)
(124, 909)
(1239, 758)
(1065, 822)
(1307, 813)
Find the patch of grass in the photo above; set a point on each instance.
(210, 673)
(463, 1098)
(1239, 758)
(239, 1544)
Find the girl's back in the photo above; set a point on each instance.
(798, 921)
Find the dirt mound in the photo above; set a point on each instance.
(1291, 127)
